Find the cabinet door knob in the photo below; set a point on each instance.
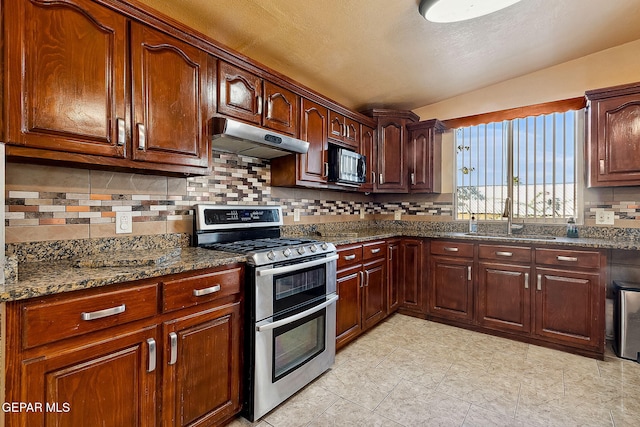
(173, 346)
(152, 354)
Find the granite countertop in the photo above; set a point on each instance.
(37, 279)
(350, 238)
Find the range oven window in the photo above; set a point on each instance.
(297, 343)
(293, 289)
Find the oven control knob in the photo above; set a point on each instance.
(324, 246)
(271, 255)
(287, 253)
(313, 248)
(301, 250)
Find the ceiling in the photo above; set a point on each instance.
(383, 54)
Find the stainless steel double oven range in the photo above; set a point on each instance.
(290, 300)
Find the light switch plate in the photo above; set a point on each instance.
(362, 211)
(397, 215)
(123, 223)
(296, 215)
(604, 218)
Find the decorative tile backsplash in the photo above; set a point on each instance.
(46, 202)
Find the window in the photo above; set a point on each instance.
(536, 160)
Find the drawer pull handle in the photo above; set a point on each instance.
(206, 291)
(504, 253)
(381, 180)
(173, 346)
(469, 273)
(375, 251)
(142, 137)
(121, 132)
(526, 280)
(152, 354)
(451, 249)
(413, 179)
(349, 257)
(567, 258)
(361, 275)
(539, 282)
(373, 177)
(93, 315)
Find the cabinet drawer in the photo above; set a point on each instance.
(69, 316)
(456, 249)
(349, 255)
(504, 253)
(568, 258)
(202, 288)
(374, 250)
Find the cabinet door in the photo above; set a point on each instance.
(66, 76)
(422, 154)
(202, 369)
(451, 292)
(105, 383)
(616, 156)
(336, 126)
(568, 307)
(367, 148)
(313, 129)
(352, 133)
(280, 109)
(348, 309)
(412, 280)
(395, 266)
(170, 84)
(504, 297)
(391, 156)
(375, 292)
(239, 93)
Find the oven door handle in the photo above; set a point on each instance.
(298, 316)
(296, 267)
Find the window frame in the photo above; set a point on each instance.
(560, 106)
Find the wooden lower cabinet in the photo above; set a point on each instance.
(504, 297)
(568, 307)
(412, 276)
(374, 292)
(394, 270)
(362, 289)
(107, 383)
(135, 364)
(451, 288)
(203, 360)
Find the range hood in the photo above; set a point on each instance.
(232, 136)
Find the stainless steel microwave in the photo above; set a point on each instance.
(346, 166)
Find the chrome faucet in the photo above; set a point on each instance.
(508, 213)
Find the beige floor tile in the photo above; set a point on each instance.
(480, 417)
(345, 413)
(412, 405)
(302, 408)
(350, 382)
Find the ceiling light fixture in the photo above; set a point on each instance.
(460, 10)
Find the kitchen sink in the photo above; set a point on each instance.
(513, 236)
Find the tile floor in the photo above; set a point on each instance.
(411, 372)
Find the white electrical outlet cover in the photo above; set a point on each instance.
(123, 223)
(397, 215)
(296, 215)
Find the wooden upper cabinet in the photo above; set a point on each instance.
(614, 136)
(280, 109)
(239, 93)
(170, 104)
(344, 130)
(313, 129)
(65, 76)
(424, 156)
(390, 156)
(367, 148)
